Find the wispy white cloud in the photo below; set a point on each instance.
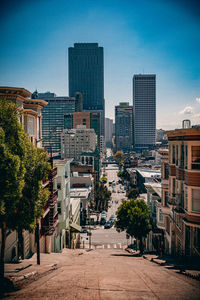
(188, 110)
(198, 100)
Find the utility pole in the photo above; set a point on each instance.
(37, 237)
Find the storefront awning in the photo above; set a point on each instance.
(75, 227)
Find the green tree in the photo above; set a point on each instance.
(120, 174)
(22, 168)
(133, 193)
(119, 157)
(133, 216)
(104, 179)
(101, 197)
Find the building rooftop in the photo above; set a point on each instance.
(62, 162)
(149, 173)
(74, 202)
(156, 186)
(184, 134)
(79, 192)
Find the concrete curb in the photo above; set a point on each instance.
(32, 275)
(164, 263)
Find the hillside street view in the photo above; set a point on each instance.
(100, 149)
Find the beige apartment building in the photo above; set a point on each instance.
(76, 141)
(181, 192)
(31, 123)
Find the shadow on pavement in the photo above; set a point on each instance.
(128, 255)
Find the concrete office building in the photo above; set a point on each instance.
(53, 117)
(76, 141)
(108, 132)
(89, 119)
(124, 127)
(144, 111)
(86, 75)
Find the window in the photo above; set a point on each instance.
(177, 160)
(161, 218)
(186, 198)
(196, 200)
(166, 198)
(174, 187)
(186, 156)
(166, 171)
(196, 157)
(167, 225)
(173, 155)
(29, 125)
(84, 121)
(182, 157)
(59, 207)
(197, 238)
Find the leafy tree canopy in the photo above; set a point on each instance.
(133, 216)
(101, 197)
(133, 193)
(119, 157)
(104, 179)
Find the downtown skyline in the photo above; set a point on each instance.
(139, 37)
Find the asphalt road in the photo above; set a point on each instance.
(108, 275)
(109, 238)
(108, 272)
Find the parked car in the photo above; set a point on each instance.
(103, 215)
(103, 221)
(112, 218)
(84, 229)
(108, 225)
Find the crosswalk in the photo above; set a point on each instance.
(109, 246)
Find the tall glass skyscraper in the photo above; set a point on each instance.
(86, 75)
(144, 111)
(53, 118)
(124, 127)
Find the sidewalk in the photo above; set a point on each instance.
(27, 270)
(192, 271)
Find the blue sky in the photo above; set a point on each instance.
(139, 36)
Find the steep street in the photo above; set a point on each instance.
(107, 271)
(108, 274)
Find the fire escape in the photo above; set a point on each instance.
(49, 220)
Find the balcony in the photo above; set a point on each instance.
(166, 210)
(195, 165)
(52, 173)
(49, 223)
(180, 174)
(172, 199)
(192, 178)
(52, 200)
(172, 170)
(180, 203)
